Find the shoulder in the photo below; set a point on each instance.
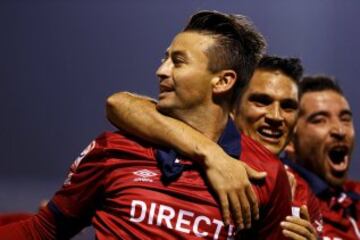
(352, 186)
(109, 144)
(260, 158)
(276, 183)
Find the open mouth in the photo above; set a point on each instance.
(270, 133)
(339, 158)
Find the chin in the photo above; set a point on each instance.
(273, 149)
(336, 181)
(162, 106)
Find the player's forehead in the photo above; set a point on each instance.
(327, 101)
(273, 83)
(190, 43)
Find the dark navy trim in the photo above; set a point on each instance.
(230, 140)
(171, 170)
(317, 185)
(354, 195)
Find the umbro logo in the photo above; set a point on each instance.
(144, 175)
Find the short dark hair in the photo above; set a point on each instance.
(291, 67)
(318, 83)
(239, 46)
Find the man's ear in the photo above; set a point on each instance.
(224, 81)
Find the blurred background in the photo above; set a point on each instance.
(59, 60)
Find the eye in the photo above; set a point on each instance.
(260, 100)
(289, 105)
(318, 120)
(178, 60)
(346, 118)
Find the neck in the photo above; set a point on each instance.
(209, 120)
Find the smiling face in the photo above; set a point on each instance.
(185, 81)
(324, 136)
(268, 109)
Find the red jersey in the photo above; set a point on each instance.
(6, 218)
(341, 212)
(115, 185)
(274, 194)
(339, 209)
(304, 196)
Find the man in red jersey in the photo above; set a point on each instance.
(116, 184)
(323, 143)
(266, 112)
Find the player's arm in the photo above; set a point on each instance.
(299, 228)
(229, 178)
(7, 218)
(71, 208)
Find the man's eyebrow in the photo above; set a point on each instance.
(319, 113)
(258, 96)
(346, 112)
(292, 102)
(179, 53)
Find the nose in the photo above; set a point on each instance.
(274, 115)
(337, 131)
(164, 69)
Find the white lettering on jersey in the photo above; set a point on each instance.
(166, 217)
(141, 217)
(197, 223)
(151, 213)
(184, 221)
(219, 224)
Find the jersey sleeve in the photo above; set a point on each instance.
(72, 207)
(38, 226)
(7, 218)
(82, 189)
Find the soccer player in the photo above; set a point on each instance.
(266, 112)
(125, 187)
(322, 147)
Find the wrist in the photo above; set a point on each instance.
(205, 154)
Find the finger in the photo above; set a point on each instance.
(297, 229)
(236, 210)
(292, 181)
(300, 226)
(253, 201)
(245, 209)
(298, 221)
(292, 235)
(304, 213)
(253, 174)
(224, 203)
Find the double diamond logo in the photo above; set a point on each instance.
(144, 175)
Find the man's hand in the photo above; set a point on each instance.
(299, 228)
(230, 180)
